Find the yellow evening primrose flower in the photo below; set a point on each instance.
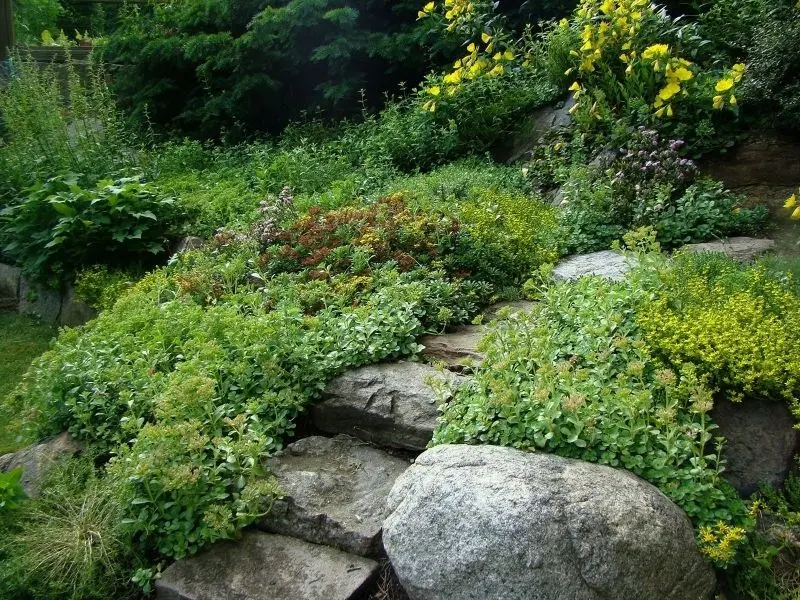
(656, 51)
(718, 102)
(683, 74)
(624, 57)
(485, 37)
(660, 112)
(791, 201)
(508, 55)
(732, 100)
(428, 8)
(575, 87)
(471, 48)
(669, 90)
(434, 90)
(723, 85)
(796, 214)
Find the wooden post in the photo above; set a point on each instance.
(6, 28)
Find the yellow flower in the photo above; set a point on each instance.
(471, 48)
(575, 87)
(796, 214)
(607, 7)
(683, 74)
(485, 37)
(624, 57)
(430, 106)
(656, 51)
(718, 102)
(434, 90)
(452, 78)
(428, 8)
(733, 100)
(723, 85)
(508, 55)
(669, 90)
(791, 201)
(497, 70)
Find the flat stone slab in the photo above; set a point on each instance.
(456, 349)
(388, 404)
(336, 490)
(513, 306)
(35, 460)
(263, 566)
(606, 264)
(745, 249)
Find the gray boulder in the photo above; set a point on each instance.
(489, 522)
(335, 493)
(606, 264)
(388, 404)
(456, 349)
(261, 566)
(36, 459)
(74, 311)
(760, 442)
(40, 302)
(9, 281)
(191, 242)
(745, 249)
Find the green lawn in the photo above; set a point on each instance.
(21, 340)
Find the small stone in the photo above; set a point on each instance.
(35, 460)
(336, 491)
(605, 263)
(456, 349)
(745, 249)
(191, 242)
(9, 281)
(262, 566)
(388, 404)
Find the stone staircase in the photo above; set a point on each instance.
(322, 541)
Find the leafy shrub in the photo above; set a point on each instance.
(49, 127)
(222, 67)
(100, 287)
(198, 372)
(11, 493)
(770, 562)
(739, 325)
(574, 377)
(31, 17)
(59, 225)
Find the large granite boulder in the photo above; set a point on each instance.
(760, 442)
(35, 460)
(605, 263)
(745, 249)
(335, 493)
(388, 404)
(261, 566)
(491, 522)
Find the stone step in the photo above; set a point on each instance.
(263, 566)
(388, 404)
(744, 249)
(336, 490)
(457, 349)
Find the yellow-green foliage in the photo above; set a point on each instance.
(513, 229)
(739, 324)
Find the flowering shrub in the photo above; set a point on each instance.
(651, 183)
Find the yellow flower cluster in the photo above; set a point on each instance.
(721, 542)
(675, 71)
(724, 87)
(610, 24)
(455, 11)
(479, 61)
(791, 202)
